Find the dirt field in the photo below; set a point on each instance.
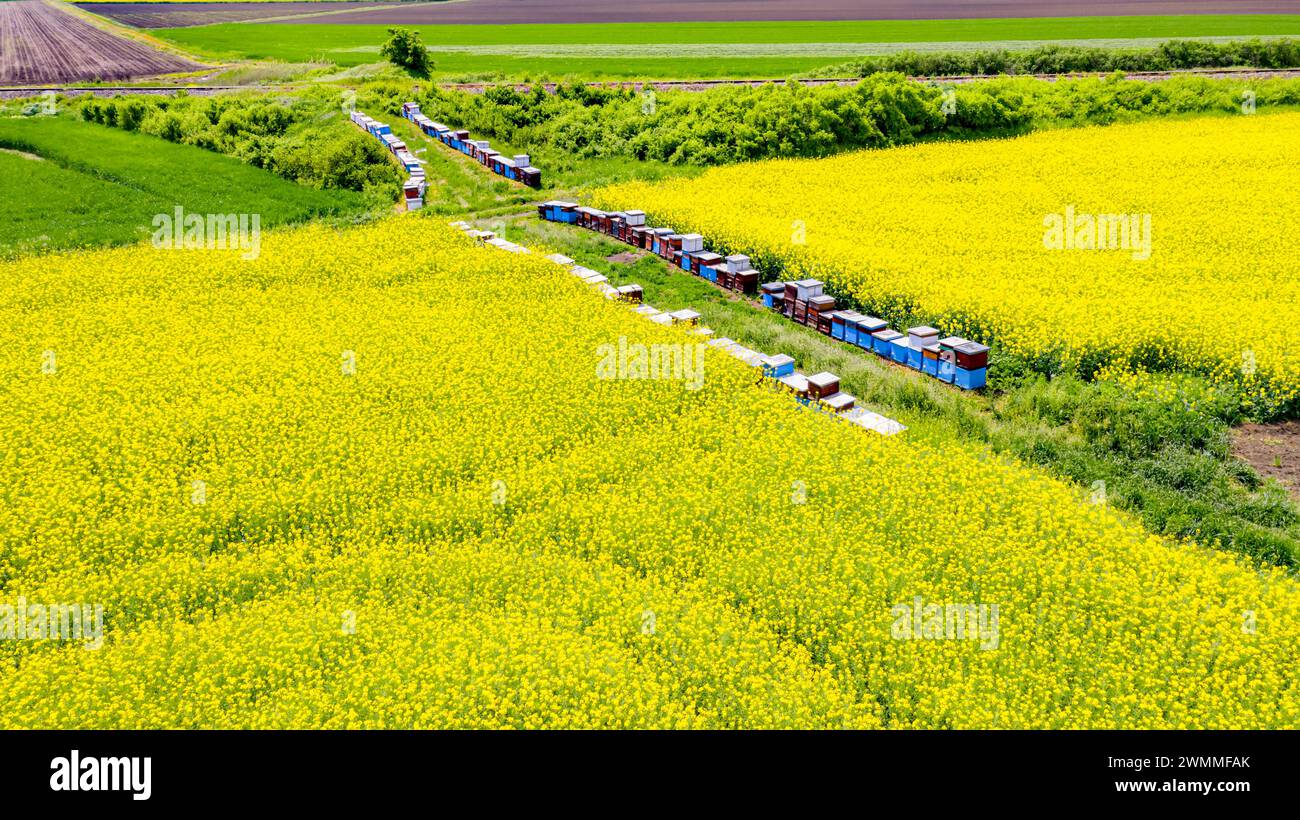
(41, 44)
(178, 15)
(1273, 450)
(151, 15)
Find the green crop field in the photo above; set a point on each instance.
(662, 50)
(66, 183)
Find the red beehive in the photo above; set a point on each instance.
(705, 259)
(746, 281)
(823, 384)
(972, 356)
(822, 304)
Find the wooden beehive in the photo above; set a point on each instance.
(821, 385)
(808, 288)
(745, 281)
(922, 335)
(737, 262)
(838, 402)
(972, 356)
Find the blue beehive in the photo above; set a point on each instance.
(898, 349)
(914, 357)
(930, 360)
(970, 379)
(688, 261)
(710, 273)
(868, 325)
(777, 366)
(838, 322)
(883, 342)
(851, 326)
(946, 371)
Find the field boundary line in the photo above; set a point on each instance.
(307, 15)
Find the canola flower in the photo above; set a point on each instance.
(954, 234)
(371, 479)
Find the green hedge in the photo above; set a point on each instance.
(304, 137)
(1062, 59)
(738, 123)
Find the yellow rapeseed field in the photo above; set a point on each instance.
(990, 240)
(371, 479)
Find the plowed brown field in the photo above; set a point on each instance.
(42, 44)
(162, 15)
(178, 15)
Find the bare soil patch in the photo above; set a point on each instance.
(42, 44)
(183, 15)
(1273, 450)
(626, 257)
(680, 11)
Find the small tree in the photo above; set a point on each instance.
(404, 49)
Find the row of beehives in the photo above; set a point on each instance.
(685, 251)
(518, 167)
(952, 359)
(413, 188)
(820, 391)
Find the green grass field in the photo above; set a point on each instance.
(77, 184)
(694, 50)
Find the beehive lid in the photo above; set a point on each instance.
(823, 379)
(887, 335)
(952, 341)
(703, 331)
(779, 360)
(875, 422)
(662, 318)
(808, 283)
(595, 279)
(722, 342)
(685, 315)
(973, 348)
(647, 310)
(559, 259)
(838, 401)
(796, 382)
(738, 258)
(608, 290)
(707, 257)
(774, 287)
(871, 322)
(923, 330)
